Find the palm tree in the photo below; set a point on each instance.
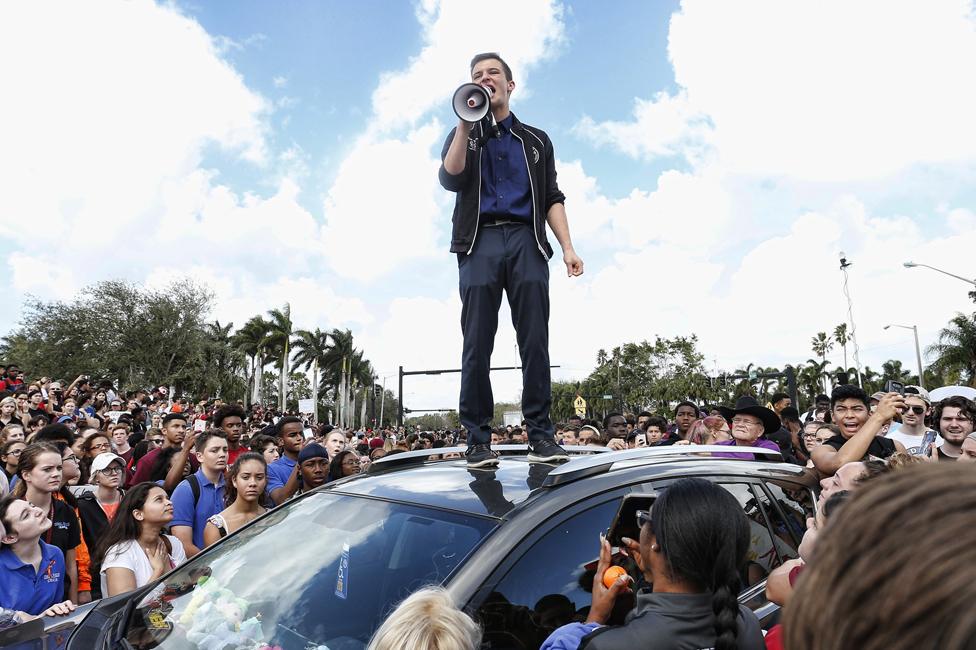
(278, 340)
(250, 341)
(311, 350)
(842, 337)
(955, 351)
(822, 343)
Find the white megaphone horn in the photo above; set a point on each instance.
(471, 102)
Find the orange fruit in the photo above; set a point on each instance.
(610, 575)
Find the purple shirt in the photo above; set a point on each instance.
(765, 444)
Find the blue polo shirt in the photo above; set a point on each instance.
(27, 590)
(279, 472)
(506, 192)
(211, 503)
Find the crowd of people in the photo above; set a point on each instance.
(103, 492)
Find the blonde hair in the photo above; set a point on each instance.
(427, 620)
(8, 400)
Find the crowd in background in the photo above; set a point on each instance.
(105, 491)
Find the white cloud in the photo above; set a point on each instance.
(91, 136)
(665, 126)
(384, 208)
(822, 91)
(454, 31)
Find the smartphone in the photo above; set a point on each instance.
(894, 387)
(641, 440)
(624, 523)
(199, 425)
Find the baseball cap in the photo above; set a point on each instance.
(918, 390)
(102, 461)
(313, 450)
(375, 443)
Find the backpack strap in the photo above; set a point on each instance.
(195, 488)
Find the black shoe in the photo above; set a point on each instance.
(547, 451)
(480, 456)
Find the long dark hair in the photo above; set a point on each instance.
(124, 526)
(704, 538)
(230, 490)
(335, 466)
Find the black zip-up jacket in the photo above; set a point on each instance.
(541, 162)
(94, 525)
(675, 621)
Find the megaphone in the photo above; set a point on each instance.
(471, 102)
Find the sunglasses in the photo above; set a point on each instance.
(917, 410)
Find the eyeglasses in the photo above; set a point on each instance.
(14, 453)
(111, 471)
(748, 423)
(156, 441)
(917, 410)
(809, 436)
(101, 445)
(72, 458)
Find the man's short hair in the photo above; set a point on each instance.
(848, 391)
(686, 403)
(606, 420)
(207, 436)
(778, 396)
(484, 56)
(288, 419)
(790, 414)
(169, 417)
(821, 398)
(643, 414)
(55, 433)
(227, 411)
(656, 421)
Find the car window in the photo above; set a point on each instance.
(323, 571)
(787, 506)
(549, 585)
(765, 551)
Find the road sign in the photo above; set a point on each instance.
(580, 405)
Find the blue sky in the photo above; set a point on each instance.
(716, 157)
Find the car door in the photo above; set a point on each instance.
(545, 581)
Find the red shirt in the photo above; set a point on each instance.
(232, 454)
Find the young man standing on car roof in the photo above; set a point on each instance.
(505, 180)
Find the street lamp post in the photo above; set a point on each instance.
(911, 265)
(844, 264)
(918, 351)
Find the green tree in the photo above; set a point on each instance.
(121, 331)
(955, 350)
(250, 341)
(311, 351)
(278, 340)
(842, 336)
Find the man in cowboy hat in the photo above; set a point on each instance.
(749, 421)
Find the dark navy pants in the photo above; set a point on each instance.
(505, 257)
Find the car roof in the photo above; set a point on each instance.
(496, 492)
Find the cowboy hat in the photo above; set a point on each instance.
(750, 406)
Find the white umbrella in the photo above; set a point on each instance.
(944, 392)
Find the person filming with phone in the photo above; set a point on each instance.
(693, 542)
(859, 428)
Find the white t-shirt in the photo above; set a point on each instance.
(913, 444)
(129, 555)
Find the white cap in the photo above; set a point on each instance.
(104, 460)
(918, 390)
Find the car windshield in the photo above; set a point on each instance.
(321, 572)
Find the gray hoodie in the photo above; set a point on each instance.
(673, 622)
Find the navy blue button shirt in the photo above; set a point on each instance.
(505, 189)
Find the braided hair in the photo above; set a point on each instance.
(704, 539)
